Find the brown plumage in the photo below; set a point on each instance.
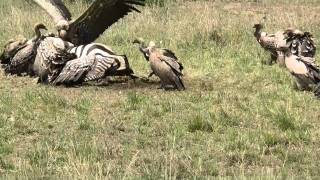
(270, 42)
(94, 21)
(51, 52)
(301, 44)
(11, 48)
(165, 65)
(305, 71)
(23, 59)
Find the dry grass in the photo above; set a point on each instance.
(238, 117)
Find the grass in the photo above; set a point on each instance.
(238, 118)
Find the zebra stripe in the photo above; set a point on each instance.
(103, 52)
(93, 48)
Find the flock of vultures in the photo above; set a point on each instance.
(70, 57)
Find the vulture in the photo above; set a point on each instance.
(11, 48)
(77, 35)
(164, 64)
(304, 69)
(100, 15)
(270, 42)
(22, 60)
(52, 53)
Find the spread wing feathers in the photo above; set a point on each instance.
(74, 70)
(302, 45)
(98, 17)
(55, 8)
(308, 47)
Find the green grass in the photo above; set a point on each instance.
(238, 117)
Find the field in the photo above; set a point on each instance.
(238, 117)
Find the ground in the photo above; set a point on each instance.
(238, 117)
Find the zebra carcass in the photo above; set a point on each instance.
(59, 62)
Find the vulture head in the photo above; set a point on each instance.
(258, 27)
(11, 48)
(38, 28)
(139, 41)
(142, 47)
(62, 27)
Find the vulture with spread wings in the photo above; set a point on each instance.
(100, 15)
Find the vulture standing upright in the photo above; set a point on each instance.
(164, 64)
(270, 42)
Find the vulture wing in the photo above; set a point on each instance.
(171, 59)
(55, 8)
(20, 62)
(313, 69)
(173, 63)
(308, 47)
(98, 17)
(74, 71)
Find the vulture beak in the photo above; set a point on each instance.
(138, 41)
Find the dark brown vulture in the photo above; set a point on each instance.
(94, 21)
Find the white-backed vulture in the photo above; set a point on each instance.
(23, 59)
(94, 21)
(164, 64)
(11, 48)
(270, 42)
(52, 52)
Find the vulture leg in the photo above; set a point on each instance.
(280, 59)
(272, 60)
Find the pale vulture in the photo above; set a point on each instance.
(18, 56)
(270, 42)
(304, 69)
(164, 64)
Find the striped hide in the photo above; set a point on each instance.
(101, 51)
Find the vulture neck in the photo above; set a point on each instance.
(144, 50)
(37, 29)
(258, 32)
